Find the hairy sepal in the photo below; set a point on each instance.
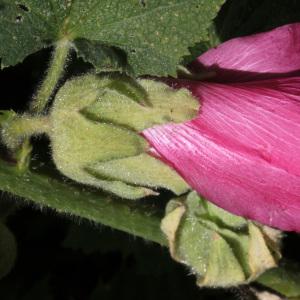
(95, 124)
(221, 249)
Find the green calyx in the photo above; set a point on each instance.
(160, 104)
(221, 249)
(94, 126)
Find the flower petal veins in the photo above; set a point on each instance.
(242, 151)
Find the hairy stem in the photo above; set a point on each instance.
(14, 131)
(53, 75)
(72, 200)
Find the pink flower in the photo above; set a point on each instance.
(242, 152)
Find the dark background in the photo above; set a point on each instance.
(69, 258)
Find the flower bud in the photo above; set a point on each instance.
(221, 249)
(95, 123)
(242, 152)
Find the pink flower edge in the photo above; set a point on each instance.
(275, 53)
(242, 151)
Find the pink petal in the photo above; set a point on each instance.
(236, 181)
(262, 118)
(264, 55)
(242, 152)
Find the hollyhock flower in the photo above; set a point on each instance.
(242, 152)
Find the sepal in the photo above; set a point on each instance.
(125, 104)
(221, 249)
(95, 133)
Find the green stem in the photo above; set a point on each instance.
(72, 200)
(14, 131)
(54, 73)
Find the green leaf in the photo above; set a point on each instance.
(154, 34)
(104, 58)
(74, 200)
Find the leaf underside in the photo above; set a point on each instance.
(154, 34)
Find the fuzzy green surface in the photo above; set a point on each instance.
(162, 105)
(106, 151)
(221, 249)
(141, 170)
(45, 190)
